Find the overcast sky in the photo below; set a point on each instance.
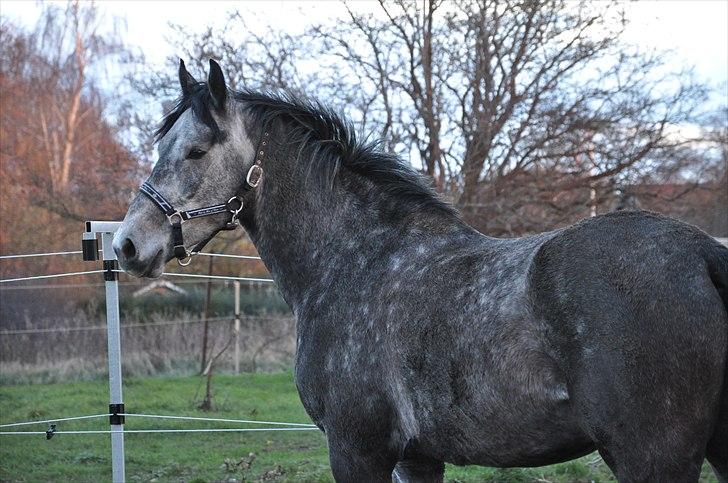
(697, 30)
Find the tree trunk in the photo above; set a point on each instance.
(433, 153)
(206, 404)
(72, 116)
(205, 318)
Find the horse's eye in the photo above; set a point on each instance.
(196, 153)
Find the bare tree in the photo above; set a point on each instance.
(259, 61)
(493, 95)
(68, 44)
(525, 113)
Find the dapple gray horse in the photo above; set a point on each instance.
(421, 341)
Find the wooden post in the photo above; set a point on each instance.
(237, 327)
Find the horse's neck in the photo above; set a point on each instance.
(308, 238)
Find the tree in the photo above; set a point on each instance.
(525, 113)
(60, 157)
(522, 98)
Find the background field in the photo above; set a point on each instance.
(275, 456)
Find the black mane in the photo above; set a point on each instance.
(330, 141)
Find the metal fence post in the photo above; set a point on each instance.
(116, 401)
(237, 327)
(113, 334)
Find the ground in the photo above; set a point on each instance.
(201, 457)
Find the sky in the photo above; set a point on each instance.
(697, 30)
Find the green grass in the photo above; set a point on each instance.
(200, 457)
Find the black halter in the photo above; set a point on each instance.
(234, 205)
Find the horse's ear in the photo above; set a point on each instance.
(186, 81)
(216, 82)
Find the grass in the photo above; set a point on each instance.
(201, 457)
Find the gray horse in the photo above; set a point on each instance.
(421, 341)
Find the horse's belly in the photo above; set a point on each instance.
(516, 439)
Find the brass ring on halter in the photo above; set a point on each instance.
(183, 262)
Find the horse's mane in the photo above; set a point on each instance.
(329, 139)
(199, 100)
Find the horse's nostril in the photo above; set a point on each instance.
(128, 249)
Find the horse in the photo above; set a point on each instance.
(420, 340)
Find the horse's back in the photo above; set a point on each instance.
(633, 259)
(634, 307)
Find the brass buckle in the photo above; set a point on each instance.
(177, 214)
(255, 174)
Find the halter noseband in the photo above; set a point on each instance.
(234, 205)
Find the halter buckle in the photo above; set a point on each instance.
(178, 215)
(255, 174)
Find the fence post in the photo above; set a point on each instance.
(113, 333)
(237, 327)
(116, 401)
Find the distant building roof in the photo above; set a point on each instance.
(159, 286)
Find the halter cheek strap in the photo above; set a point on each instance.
(178, 217)
(234, 205)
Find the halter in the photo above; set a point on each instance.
(234, 205)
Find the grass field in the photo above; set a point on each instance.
(200, 457)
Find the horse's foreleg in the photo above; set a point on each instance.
(353, 462)
(419, 470)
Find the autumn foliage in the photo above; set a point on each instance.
(60, 158)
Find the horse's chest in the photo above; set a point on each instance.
(334, 369)
(311, 381)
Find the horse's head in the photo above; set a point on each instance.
(204, 155)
